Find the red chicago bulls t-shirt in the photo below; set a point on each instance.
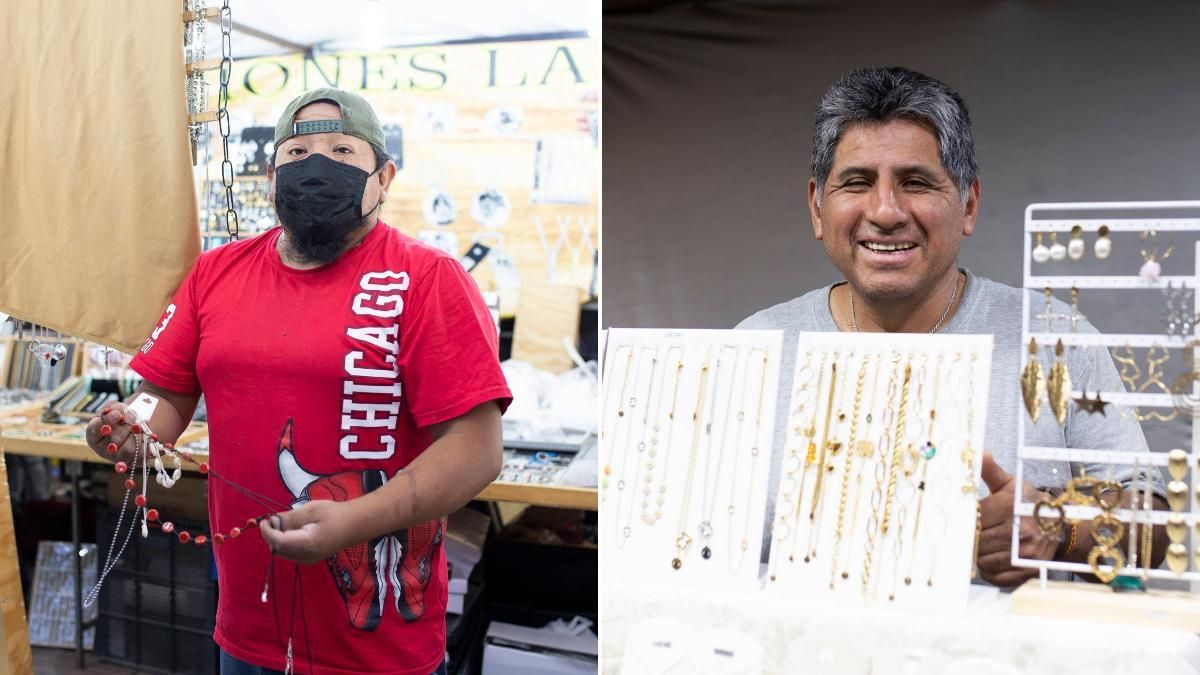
(322, 384)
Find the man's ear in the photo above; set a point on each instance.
(971, 209)
(814, 210)
(386, 175)
(271, 183)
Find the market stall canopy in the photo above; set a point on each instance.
(269, 27)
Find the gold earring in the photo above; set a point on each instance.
(1041, 253)
(1177, 464)
(1033, 383)
(1058, 386)
(1075, 247)
(1176, 494)
(1177, 558)
(1176, 528)
(1107, 553)
(1058, 252)
(1103, 245)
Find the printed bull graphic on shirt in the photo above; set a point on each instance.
(403, 560)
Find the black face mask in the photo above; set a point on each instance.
(319, 200)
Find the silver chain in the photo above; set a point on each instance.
(936, 326)
(231, 217)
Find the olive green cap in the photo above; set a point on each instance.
(358, 118)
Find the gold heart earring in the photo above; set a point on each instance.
(1033, 383)
(1058, 386)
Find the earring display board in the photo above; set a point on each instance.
(686, 431)
(877, 496)
(1148, 395)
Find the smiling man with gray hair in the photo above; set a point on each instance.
(894, 190)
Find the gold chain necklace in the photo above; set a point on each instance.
(848, 465)
(744, 543)
(648, 517)
(683, 540)
(936, 326)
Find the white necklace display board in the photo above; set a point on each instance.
(877, 496)
(1155, 233)
(685, 442)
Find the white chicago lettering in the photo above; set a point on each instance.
(367, 282)
(353, 369)
(383, 337)
(350, 388)
(375, 415)
(360, 305)
(366, 385)
(367, 453)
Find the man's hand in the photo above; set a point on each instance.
(118, 423)
(312, 532)
(995, 540)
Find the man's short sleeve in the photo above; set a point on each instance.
(168, 357)
(449, 349)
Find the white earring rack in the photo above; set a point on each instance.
(1038, 283)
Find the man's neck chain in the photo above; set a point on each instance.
(936, 326)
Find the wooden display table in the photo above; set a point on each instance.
(23, 433)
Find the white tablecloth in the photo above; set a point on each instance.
(794, 636)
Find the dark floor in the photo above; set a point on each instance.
(53, 661)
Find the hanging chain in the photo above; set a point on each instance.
(231, 217)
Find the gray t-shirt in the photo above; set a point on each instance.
(991, 308)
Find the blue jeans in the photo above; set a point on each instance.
(232, 666)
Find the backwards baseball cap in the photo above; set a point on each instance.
(358, 118)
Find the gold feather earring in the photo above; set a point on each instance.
(1032, 383)
(1058, 386)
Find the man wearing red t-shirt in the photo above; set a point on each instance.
(351, 373)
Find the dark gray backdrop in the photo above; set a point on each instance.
(708, 112)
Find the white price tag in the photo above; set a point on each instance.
(144, 406)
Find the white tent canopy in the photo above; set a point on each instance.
(266, 27)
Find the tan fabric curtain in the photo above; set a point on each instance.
(98, 218)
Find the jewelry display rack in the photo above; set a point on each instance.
(686, 429)
(1158, 456)
(877, 497)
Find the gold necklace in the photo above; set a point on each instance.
(780, 527)
(683, 540)
(744, 544)
(896, 449)
(648, 517)
(650, 431)
(829, 444)
(881, 465)
(928, 451)
(864, 449)
(936, 326)
(847, 466)
(708, 501)
(810, 454)
(617, 423)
